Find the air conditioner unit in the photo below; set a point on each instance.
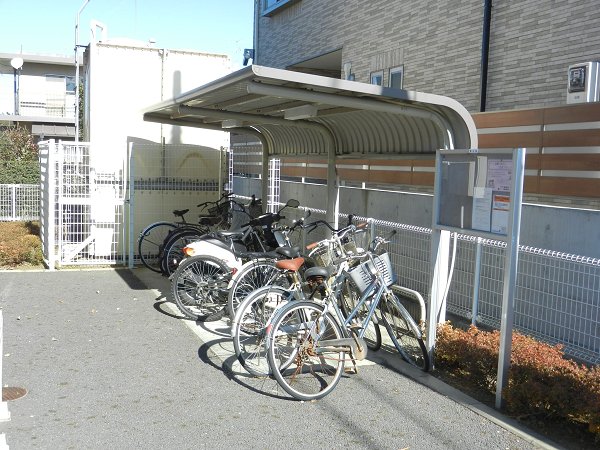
(583, 83)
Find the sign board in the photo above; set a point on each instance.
(473, 191)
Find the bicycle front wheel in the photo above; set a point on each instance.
(303, 366)
(199, 287)
(249, 326)
(404, 332)
(151, 243)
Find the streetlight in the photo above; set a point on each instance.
(77, 71)
(16, 63)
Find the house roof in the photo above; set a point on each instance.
(301, 114)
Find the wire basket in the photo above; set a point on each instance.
(362, 275)
(324, 255)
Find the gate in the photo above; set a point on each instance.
(82, 205)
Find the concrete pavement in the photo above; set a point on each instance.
(108, 362)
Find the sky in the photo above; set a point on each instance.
(48, 27)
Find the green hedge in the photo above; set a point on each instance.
(19, 162)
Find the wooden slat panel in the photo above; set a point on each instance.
(532, 161)
(424, 162)
(510, 140)
(508, 118)
(575, 187)
(571, 161)
(353, 174)
(531, 185)
(389, 177)
(423, 178)
(291, 171)
(316, 172)
(588, 112)
(573, 138)
(351, 162)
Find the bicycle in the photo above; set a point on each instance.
(308, 342)
(249, 325)
(151, 240)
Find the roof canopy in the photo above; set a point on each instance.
(300, 114)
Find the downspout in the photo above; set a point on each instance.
(485, 53)
(257, 4)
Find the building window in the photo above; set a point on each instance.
(270, 7)
(396, 77)
(377, 78)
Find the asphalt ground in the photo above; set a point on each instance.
(108, 362)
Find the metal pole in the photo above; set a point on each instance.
(476, 282)
(510, 273)
(77, 71)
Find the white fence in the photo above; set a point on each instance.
(19, 202)
(557, 299)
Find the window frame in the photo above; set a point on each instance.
(377, 73)
(395, 70)
(268, 10)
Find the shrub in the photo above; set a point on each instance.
(541, 381)
(20, 244)
(18, 157)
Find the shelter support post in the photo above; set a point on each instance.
(440, 251)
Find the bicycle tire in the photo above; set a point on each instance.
(249, 326)
(173, 249)
(199, 287)
(348, 300)
(293, 358)
(251, 277)
(404, 332)
(151, 242)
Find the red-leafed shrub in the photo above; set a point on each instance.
(541, 381)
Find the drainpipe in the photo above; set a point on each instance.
(485, 53)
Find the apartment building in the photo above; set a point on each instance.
(513, 54)
(38, 92)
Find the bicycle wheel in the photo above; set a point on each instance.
(348, 301)
(251, 277)
(151, 242)
(248, 327)
(303, 368)
(404, 332)
(199, 287)
(173, 249)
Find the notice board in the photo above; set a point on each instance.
(474, 190)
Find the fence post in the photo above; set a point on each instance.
(14, 202)
(476, 282)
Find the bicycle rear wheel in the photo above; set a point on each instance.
(302, 367)
(252, 277)
(199, 287)
(151, 243)
(404, 332)
(249, 326)
(173, 249)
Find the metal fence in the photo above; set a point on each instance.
(19, 202)
(557, 297)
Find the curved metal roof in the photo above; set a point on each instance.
(301, 114)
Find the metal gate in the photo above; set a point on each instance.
(82, 205)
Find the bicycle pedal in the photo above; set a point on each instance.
(351, 370)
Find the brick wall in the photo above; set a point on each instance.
(439, 43)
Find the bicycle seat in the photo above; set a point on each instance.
(180, 212)
(288, 252)
(290, 264)
(321, 272)
(230, 234)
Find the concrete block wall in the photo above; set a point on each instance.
(532, 44)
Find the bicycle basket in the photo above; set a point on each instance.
(361, 274)
(323, 255)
